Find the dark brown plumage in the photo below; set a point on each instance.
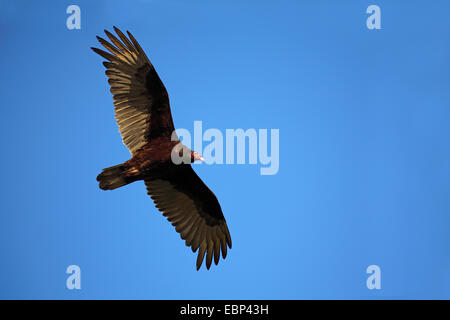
(143, 114)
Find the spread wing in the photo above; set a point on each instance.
(141, 101)
(192, 208)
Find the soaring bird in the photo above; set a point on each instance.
(142, 111)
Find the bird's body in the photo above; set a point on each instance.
(156, 151)
(143, 114)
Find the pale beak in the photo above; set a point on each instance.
(201, 159)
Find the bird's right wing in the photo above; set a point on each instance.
(192, 208)
(141, 101)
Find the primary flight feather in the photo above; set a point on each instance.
(142, 111)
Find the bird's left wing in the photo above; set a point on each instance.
(192, 208)
(141, 101)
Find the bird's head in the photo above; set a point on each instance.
(196, 156)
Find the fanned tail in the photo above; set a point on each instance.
(112, 178)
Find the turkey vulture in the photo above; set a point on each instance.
(142, 111)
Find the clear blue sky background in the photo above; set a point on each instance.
(364, 149)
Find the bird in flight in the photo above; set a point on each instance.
(142, 111)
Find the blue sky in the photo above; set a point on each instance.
(364, 150)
